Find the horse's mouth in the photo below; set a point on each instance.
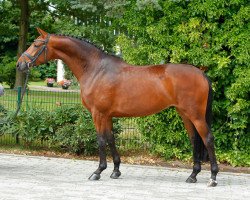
(22, 66)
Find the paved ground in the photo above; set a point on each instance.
(33, 178)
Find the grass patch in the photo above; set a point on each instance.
(37, 83)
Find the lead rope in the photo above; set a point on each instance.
(10, 119)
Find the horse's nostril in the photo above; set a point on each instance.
(20, 66)
(17, 65)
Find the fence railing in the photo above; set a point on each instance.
(129, 138)
(47, 100)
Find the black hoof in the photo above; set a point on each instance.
(115, 174)
(95, 177)
(212, 183)
(191, 180)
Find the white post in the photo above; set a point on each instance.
(118, 51)
(60, 70)
(1, 90)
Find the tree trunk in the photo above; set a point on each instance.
(22, 42)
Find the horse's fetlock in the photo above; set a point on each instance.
(215, 169)
(103, 166)
(197, 168)
(117, 160)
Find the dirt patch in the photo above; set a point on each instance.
(132, 158)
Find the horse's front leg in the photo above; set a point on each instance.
(103, 125)
(116, 157)
(101, 137)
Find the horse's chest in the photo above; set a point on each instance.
(98, 99)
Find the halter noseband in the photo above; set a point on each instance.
(38, 53)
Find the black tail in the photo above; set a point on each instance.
(209, 105)
(199, 146)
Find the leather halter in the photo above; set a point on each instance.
(38, 53)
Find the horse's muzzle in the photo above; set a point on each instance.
(22, 66)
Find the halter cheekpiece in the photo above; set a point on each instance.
(38, 53)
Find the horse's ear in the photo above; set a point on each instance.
(42, 33)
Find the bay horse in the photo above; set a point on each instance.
(112, 88)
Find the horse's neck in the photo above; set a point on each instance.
(79, 57)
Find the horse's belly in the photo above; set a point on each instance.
(141, 104)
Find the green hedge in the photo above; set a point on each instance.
(68, 127)
(210, 34)
(166, 135)
(168, 138)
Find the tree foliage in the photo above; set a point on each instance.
(210, 34)
(88, 19)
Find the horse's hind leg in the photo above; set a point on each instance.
(191, 133)
(208, 139)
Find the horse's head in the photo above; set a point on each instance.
(36, 54)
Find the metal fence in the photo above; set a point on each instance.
(45, 99)
(129, 138)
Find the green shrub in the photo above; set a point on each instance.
(201, 33)
(69, 127)
(30, 126)
(8, 70)
(35, 74)
(47, 70)
(3, 113)
(2, 110)
(76, 132)
(166, 134)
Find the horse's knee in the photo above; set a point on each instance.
(101, 139)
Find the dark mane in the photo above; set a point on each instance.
(89, 42)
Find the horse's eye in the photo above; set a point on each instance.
(35, 45)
